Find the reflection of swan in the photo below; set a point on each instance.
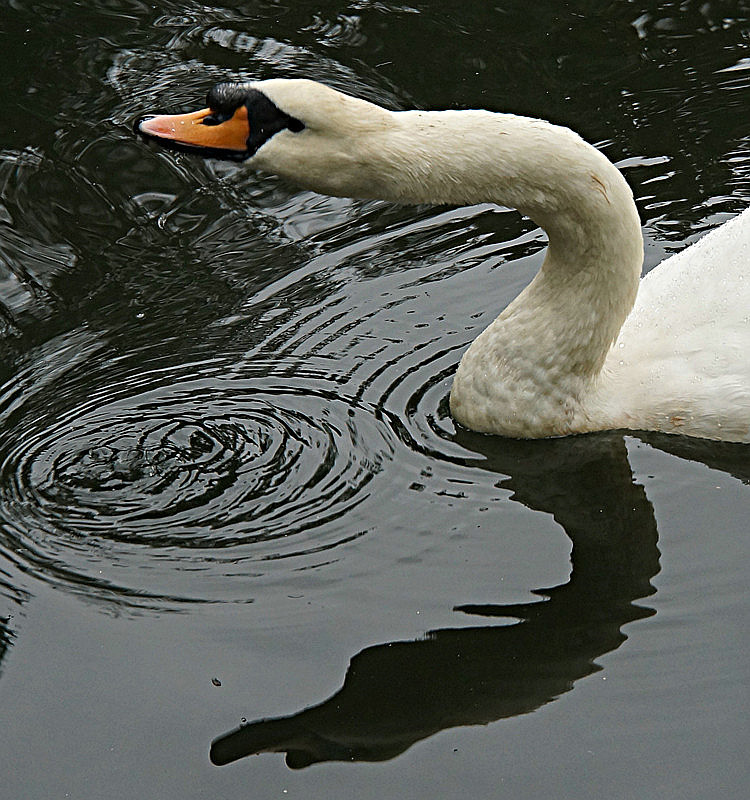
(576, 351)
(476, 675)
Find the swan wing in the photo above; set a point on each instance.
(681, 363)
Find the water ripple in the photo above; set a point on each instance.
(214, 470)
(273, 371)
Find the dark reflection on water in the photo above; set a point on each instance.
(734, 459)
(397, 693)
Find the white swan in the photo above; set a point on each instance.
(587, 345)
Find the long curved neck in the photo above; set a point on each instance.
(529, 372)
(552, 340)
(545, 171)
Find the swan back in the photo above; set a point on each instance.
(680, 363)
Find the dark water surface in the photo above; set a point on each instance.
(230, 488)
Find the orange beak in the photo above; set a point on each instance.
(200, 130)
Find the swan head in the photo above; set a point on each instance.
(299, 129)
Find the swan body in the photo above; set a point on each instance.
(587, 345)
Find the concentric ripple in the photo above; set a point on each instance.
(218, 471)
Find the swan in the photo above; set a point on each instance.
(588, 345)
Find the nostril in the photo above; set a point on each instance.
(215, 118)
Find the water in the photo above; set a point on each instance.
(230, 487)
